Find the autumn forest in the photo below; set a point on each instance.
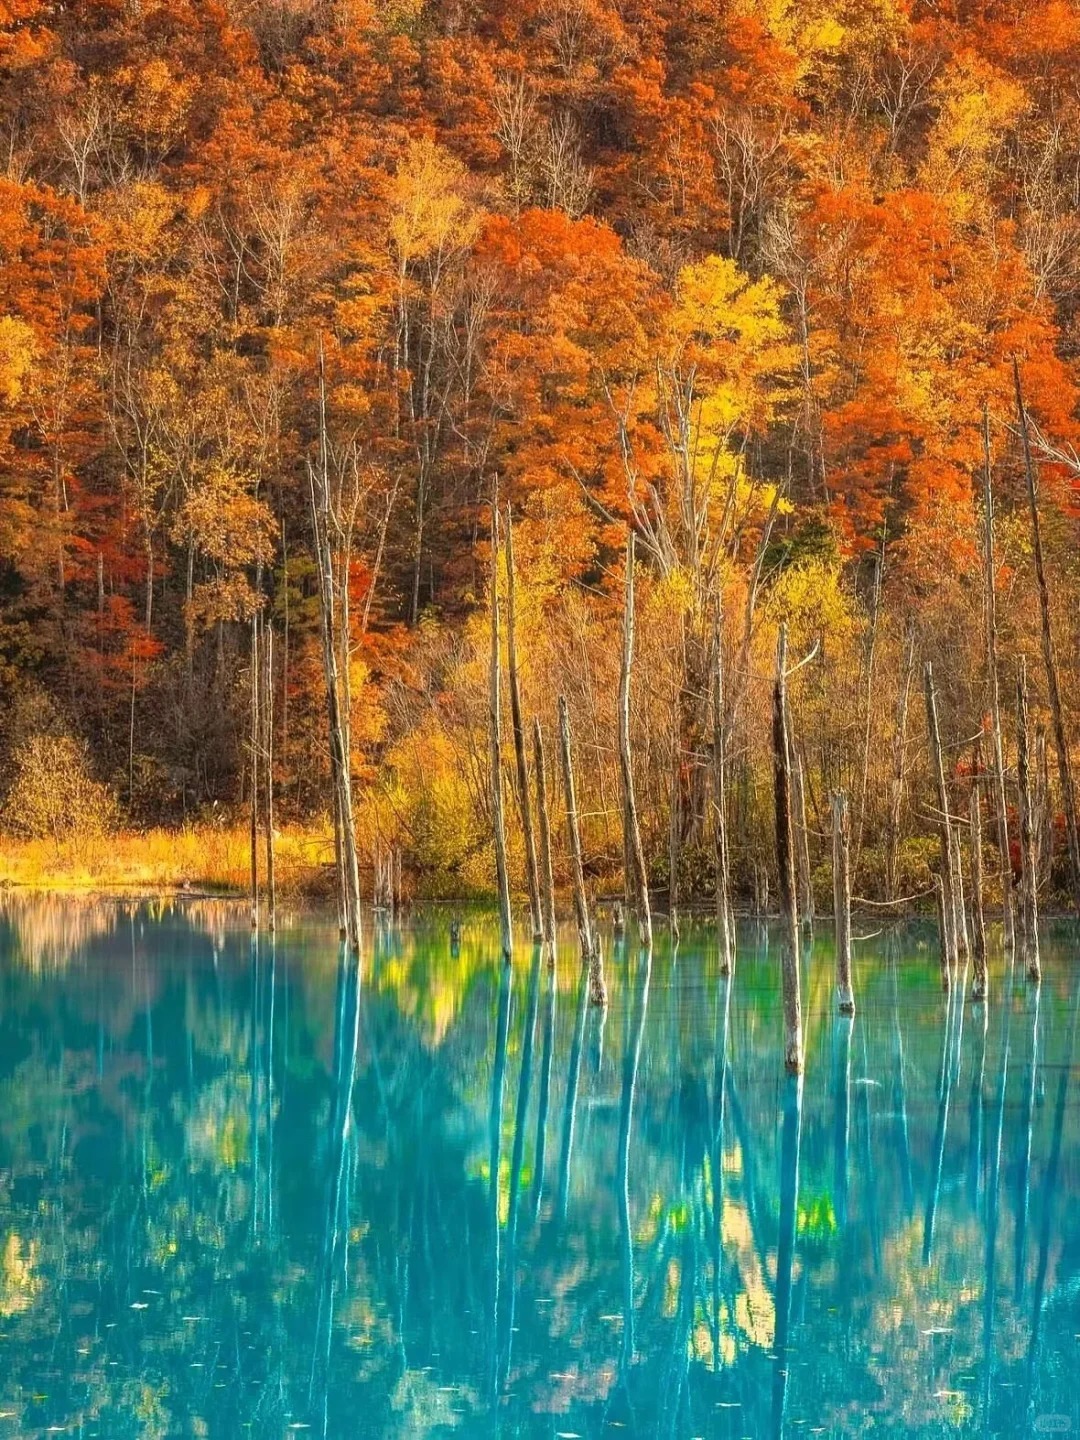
(789, 292)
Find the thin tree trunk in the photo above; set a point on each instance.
(802, 836)
(637, 882)
(524, 796)
(845, 995)
(253, 808)
(993, 686)
(978, 920)
(268, 763)
(896, 787)
(1065, 780)
(547, 877)
(785, 859)
(590, 951)
(330, 586)
(498, 818)
(1029, 876)
(950, 958)
(725, 928)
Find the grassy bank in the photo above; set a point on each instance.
(191, 858)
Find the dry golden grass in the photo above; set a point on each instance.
(193, 858)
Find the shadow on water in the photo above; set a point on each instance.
(254, 1187)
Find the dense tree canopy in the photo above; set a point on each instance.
(740, 274)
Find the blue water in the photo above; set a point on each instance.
(247, 1190)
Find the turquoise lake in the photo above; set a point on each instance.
(250, 1189)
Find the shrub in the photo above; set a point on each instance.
(53, 794)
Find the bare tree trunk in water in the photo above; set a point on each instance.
(896, 787)
(637, 882)
(547, 875)
(1065, 780)
(1029, 903)
(724, 926)
(254, 772)
(785, 859)
(802, 840)
(950, 957)
(993, 686)
(978, 920)
(845, 995)
(268, 765)
(502, 872)
(524, 796)
(333, 591)
(590, 950)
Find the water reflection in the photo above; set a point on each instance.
(251, 1187)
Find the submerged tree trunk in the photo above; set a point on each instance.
(845, 995)
(1029, 904)
(498, 818)
(590, 951)
(268, 767)
(254, 767)
(524, 797)
(333, 610)
(547, 877)
(1065, 780)
(722, 859)
(785, 859)
(978, 920)
(948, 854)
(1001, 808)
(802, 837)
(637, 881)
(896, 784)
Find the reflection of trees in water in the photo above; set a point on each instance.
(394, 1201)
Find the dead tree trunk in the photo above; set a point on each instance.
(943, 929)
(978, 922)
(637, 880)
(785, 859)
(802, 837)
(1001, 808)
(268, 767)
(949, 939)
(724, 926)
(845, 995)
(524, 797)
(590, 950)
(547, 876)
(1029, 885)
(254, 768)
(498, 817)
(1065, 781)
(333, 593)
(896, 783)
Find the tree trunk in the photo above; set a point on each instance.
(896, 787)
(547, 877)
(978, 922)
(1029, 877)
(950, 958)
(590, 951)
(254, 772)
(1065, 781)
(498, 818)
(994, 689)
(524, 795)
(785, 859)
(637, 882)
(802, 838)
(268, 768)
(724, 926)
(845, 995)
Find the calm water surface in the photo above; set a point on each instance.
(245, 1191)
